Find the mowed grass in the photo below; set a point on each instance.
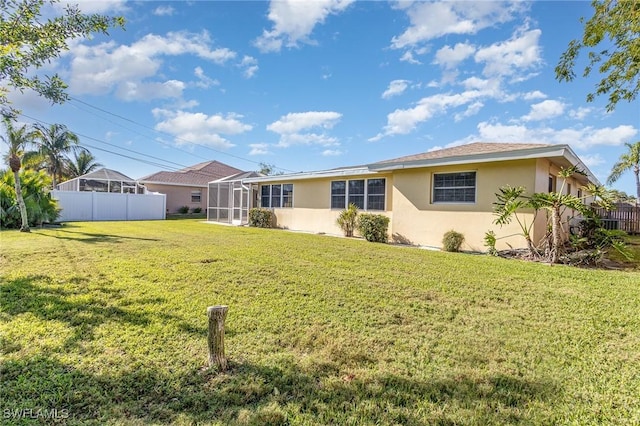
(108, 322)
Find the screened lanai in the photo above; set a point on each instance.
(103, 180)
(230, 199)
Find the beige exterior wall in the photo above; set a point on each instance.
(417, 220)
(178, 196)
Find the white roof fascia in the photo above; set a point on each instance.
(145, 182)
(575, 160)
(312, 175)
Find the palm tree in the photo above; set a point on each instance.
(54, 143)
(83, 163)
(18, 140)
(630, 160)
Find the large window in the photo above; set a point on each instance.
(273, 196)
(454, 187)
(367, 194)
(196, 196)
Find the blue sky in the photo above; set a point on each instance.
(312, 85)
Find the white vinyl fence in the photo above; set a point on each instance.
(90, 206)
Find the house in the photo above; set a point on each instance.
(188, 186)
(102, 180)
(426, 195)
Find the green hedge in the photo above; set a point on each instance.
(260, 218)
(373, 227)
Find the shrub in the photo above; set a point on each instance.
(347, 220)
(197, 210)
(183, 209)
(260, 217)
(37, 198)
(373, 227)
(452, 241)
(490, 242)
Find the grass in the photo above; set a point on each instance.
(107, 321)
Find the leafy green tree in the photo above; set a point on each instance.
(39, 204)
(83, 162)
(28, 41)
(17, 139)
(615, 25)
(630, 160)
(55, 142)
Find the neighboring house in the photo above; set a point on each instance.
(102, 180)
(425, 195)
(188, 186)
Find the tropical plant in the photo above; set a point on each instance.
(260, 217)
(615, 25)
(630, 160)
(18, 139)
(83, 162)
(55, 142)
(452, 241)
(373, 227)
(509, 202)
(490, 241)
(38, 202)
(28, 41)
(347, 220)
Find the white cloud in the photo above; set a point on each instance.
(536, 94)
(544, 110)
(204, 82)
(199, 128)
(250, 65)
(430, 20)
(164, 11)
(506, 58)
(592, 160)
(259, 149)
(408, 57)
(98, 69)
(94, 6)
(472, 109)
(396, 87)
(294, 21)
(450, 57)
(580, 113)
(130, 91)
(295, 128)
(578, 138)
(331, 153)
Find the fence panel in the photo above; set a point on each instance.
(625, 218)
(94, 206)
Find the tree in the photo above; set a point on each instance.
(84, 162)
(18, 140)
(630, 160)
(615, 24)
(27, 42)
(54, 143)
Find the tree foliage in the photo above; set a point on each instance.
(28, 41)
(82, 163)
(630, 160)
(55, 142)
(38, 202)
(612, 39)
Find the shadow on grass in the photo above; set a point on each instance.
(87, 237)
(266, 395)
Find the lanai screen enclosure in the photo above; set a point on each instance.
(230, 199)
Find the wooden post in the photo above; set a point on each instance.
(217, 315)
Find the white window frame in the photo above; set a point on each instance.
(281, 185)
(433, 187)
(366, 194)
(196, 193)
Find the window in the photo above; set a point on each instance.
(367, 194)
(274, 196)
(454, 187)
(568, 189)
(196, 196)
(552, 183)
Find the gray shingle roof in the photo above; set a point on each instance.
(464, 150)
(199, 174)
(107, 174)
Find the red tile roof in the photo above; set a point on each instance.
(199, 174)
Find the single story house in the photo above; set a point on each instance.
(102, 180)
(188, 186)
(425, 195)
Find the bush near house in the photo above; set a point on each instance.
(452, 241)
(373, 227)
(260, 218)
(183, 209)
(348, 220)
(197, 210)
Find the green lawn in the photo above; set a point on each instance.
(106, 323)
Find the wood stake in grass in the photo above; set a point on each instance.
(217, 315)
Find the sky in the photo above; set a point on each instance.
(314, 85)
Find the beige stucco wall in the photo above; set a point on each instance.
(178, 196)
